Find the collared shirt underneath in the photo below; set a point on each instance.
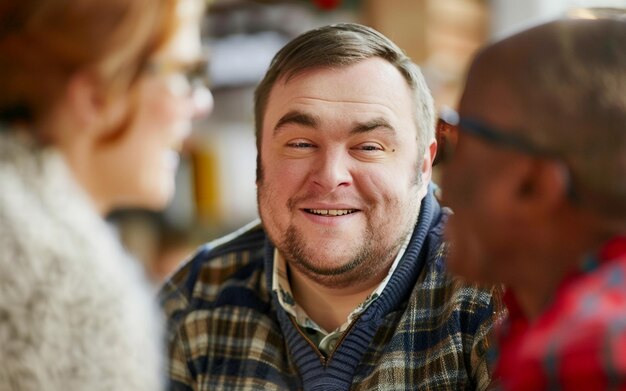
(324, 340)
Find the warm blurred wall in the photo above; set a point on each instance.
(403, 21)
(439, 35)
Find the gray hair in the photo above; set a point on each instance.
(337, 46)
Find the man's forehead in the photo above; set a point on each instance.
(373, 82)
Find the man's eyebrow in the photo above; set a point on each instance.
(298, 118)
(373, 124)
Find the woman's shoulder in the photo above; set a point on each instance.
(75, 311)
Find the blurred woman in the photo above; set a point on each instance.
(96, 98)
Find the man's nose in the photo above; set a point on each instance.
(332, 170)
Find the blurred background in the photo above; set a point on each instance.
(215, 184)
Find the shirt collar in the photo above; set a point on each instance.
(282, 287)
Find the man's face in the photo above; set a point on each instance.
(342, 180)
(480, 185)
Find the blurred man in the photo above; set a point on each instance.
(342, 284)
(538, 186)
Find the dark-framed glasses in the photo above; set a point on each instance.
(195, 72)
(450, 124)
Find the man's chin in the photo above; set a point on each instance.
(325, 263)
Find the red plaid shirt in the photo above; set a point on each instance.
(579, 342)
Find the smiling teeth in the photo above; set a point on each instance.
(331, 212)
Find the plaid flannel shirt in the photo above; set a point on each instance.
(227, 331)
(579, 342)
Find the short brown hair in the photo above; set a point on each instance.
(337, 46)
(43, 43)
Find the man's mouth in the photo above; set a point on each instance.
(331, 212)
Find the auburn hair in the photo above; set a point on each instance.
(43, 43)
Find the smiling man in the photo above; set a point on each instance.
(342, 284)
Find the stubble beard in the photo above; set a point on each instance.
(369, 259)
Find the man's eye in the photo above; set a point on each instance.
(369, 147)
(300, 144)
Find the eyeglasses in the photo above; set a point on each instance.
(450, 124)
(196, 73)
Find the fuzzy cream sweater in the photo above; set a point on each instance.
(76, 313)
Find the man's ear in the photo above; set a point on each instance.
(427, 161)
(432, 148)
(426, 170)
(543, 187)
